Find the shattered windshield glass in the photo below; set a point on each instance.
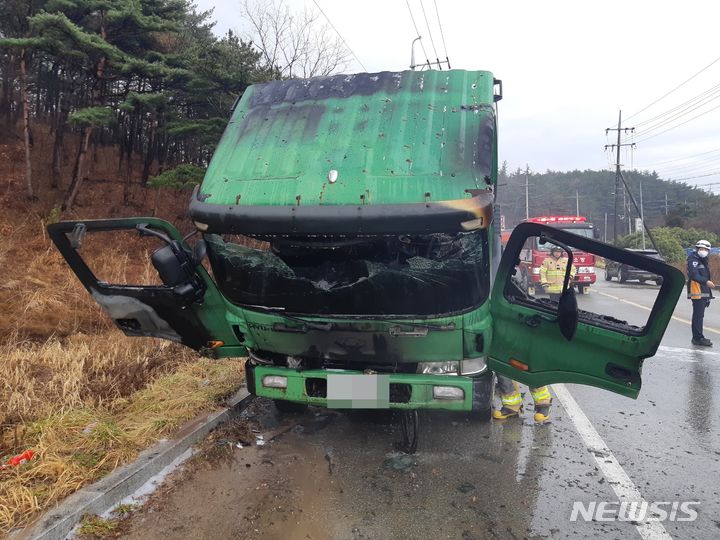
(400, 275)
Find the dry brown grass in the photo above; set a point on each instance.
(75, 390)
(77, 445)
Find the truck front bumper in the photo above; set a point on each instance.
(396, 390)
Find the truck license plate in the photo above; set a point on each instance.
(358, 391)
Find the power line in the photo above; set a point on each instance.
(699, 176)
(680, 114)
(678, 125)
(442, 35)
(676, 88)
(690, 167)
(340, 36)
(432, 41)
(688, 102)
(679, 159)
(427, 58)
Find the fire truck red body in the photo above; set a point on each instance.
(534, 254)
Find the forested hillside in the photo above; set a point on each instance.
(591, 193)
(149, 78)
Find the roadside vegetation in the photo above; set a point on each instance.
(111, 110)
(75, 391)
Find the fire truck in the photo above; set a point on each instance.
(534, 253)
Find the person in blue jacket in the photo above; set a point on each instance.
(699, 289)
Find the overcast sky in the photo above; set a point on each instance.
(567, 68)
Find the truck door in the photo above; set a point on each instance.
(549, 335)
(147, 279)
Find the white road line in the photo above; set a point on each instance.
(689, 355)
(615, 475)
(680, 319)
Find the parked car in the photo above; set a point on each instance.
(624, 272)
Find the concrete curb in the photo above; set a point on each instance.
(99, 497)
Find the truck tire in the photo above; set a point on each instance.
(289, 407)
(583, 289)
(608, 277)
(483, 392)
(622, 275)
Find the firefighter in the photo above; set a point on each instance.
(552, 273)
(699, 289)
(511, 399)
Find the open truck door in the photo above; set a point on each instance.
(600, 339)
(160, 289)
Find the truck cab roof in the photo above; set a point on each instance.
(355, 153)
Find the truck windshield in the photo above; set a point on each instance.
(422, 275)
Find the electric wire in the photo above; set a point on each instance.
(680, 158)
(442, 35)
(690, 166)
(432, 41)
(427, 58)
(688, 102)
(340, 35)
(691, 173)
(687, 110)
(673, 90)
(699, 176)
(678, 125)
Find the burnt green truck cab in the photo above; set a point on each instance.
(354, 258)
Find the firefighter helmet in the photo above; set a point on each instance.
(704, 244)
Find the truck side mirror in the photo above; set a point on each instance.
(568, 313)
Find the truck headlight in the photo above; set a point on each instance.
(274, 381)
(438, 368)
(473, 366)
(448, 392)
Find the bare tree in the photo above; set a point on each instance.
(293, 44)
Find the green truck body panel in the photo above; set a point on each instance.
(393, 138)
(366, 163)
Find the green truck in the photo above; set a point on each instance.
(355, 261)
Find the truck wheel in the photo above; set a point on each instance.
(608, 277)
(286, 407)
(583, 289)
(621, 275)
(483, 392)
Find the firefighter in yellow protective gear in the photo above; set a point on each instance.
(511, 399)
(552, 273)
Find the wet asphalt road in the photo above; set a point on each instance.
(336, 475)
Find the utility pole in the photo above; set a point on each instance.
(642, 215)
(605, 229)
(527, 199)
(577, 203)
(617, 146)
(666, 205)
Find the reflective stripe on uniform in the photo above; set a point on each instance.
(512, 399)
(540, 394)
(695, 291)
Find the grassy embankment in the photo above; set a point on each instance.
(74, 389)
